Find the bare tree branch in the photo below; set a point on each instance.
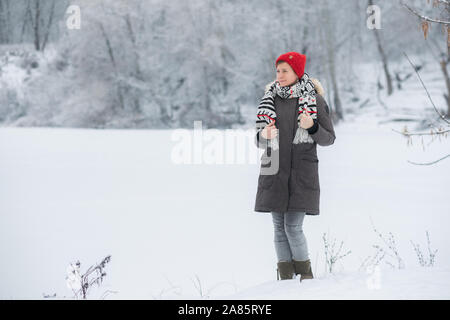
(429, 97)
(406, 133)
(447, 23)
(430, 163)
(49, 24)
(445, 2)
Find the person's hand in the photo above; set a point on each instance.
(270, 131)
(305, 120)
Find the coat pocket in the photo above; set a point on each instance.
(307, 172)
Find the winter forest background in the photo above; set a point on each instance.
(92, 90)
(163, 64)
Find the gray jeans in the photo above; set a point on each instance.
(289, 239)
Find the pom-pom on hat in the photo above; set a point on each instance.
(296, 60)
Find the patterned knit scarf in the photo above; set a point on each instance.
(306, 93)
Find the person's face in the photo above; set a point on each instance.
(285, 74)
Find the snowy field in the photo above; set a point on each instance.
(189, 231)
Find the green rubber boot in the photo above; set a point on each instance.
(304, 269)
(285, 270)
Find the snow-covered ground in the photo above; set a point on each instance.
(189, 231)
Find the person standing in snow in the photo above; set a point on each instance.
(292, 119)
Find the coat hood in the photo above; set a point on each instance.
(317, 85)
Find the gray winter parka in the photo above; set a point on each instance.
(295, 187)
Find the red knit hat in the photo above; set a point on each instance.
(296, 60)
